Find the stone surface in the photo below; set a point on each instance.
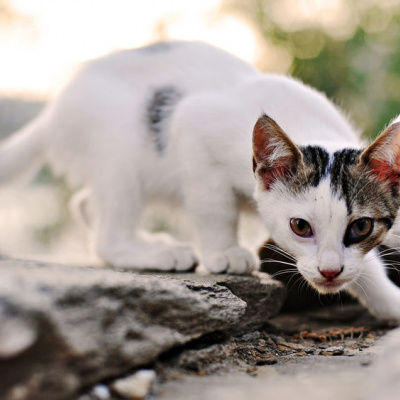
(385, 376)
(301, 378)
(263, 296)
(321, 355)
(62, 328)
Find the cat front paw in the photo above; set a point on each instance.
(151, 257)
(235, 260)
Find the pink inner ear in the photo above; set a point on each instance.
(383, 155)
(275, 155)
(279, 170)
(384, 171)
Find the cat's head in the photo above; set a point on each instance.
(327, 210)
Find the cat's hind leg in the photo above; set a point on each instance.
(80, 208)
(118, 205)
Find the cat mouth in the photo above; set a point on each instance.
(329, 286)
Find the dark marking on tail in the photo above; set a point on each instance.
(161, 106)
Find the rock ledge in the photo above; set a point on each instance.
(62, 328)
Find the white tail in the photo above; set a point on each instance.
(22, 151)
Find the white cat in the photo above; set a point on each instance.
(174, 121)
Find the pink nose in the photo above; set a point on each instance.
(330, 274)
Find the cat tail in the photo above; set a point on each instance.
(23, 151)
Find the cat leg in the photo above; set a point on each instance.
(118, 207)
(213, 208)
(376, 291)
(81, 209)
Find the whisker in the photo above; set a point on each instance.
(391, 250)
(293, 277)
(366, 277)
(278, 262)
(394, 234)
(279, 273)
(362, 288)
(393, 269)
(279, 251)
(305, 284)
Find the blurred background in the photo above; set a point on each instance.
(349, 49)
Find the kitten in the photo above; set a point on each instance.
(174, 121)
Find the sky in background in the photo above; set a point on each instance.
(39, 52)
(50, 37)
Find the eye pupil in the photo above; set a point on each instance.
(362, 226)
(359, 230)
(300, 227)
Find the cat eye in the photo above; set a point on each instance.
(359, 230)
(301, 227)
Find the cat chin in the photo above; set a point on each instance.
(329, 287)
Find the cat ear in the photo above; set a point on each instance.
(275, 156)
(383, 155)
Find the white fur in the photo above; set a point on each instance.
(325, 250)
(96, 134)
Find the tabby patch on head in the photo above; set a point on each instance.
(326, 210)
(367, 181)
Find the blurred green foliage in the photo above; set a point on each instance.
(349, 49)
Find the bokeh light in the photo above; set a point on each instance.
(37, 59)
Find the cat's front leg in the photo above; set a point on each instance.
(214, 159)
(376, 291)
(213, 208)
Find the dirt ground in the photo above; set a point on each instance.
(324, 354)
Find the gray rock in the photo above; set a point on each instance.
(385, 377)
(62, 328)
(263, 297)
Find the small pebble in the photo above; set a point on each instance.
(332, 351)
(101, 392)
(135, 386)
(252, 371)
(365, 363)
(16, 336)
